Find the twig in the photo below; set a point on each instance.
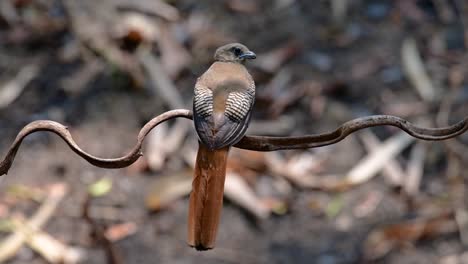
(174, 56)
(462, 8)
(118, 232)
(273, 60)
(11, 90)
(166, 141)
(382, 240)
(230, 255)
(392, 169)
(415, 169)
(455, 146)
(8, 12)
(260, 143)
(414, 67)
(161, 82)
(47, 246)
(457, 194)
(339, 9)
(257, 143)
(154, 7)
(62, 131)
(92, 34)
(302, 175)
(237, 190)
(98, 231)
(166, 189)
(10, 245)
(444, 11)
(278, 127)
(376, 160)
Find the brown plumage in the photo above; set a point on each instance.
(223, 99)
(206, 199)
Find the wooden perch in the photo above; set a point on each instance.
(62, 131)
(257, 143)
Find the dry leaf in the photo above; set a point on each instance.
(120, 231)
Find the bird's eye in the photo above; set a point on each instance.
(237, 51)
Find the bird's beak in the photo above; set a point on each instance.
(248, 55)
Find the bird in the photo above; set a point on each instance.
(222, 104)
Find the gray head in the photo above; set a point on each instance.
(234, 52)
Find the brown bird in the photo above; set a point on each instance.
(223, 99)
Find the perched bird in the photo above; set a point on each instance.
(223, 99)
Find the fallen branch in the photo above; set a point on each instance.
(257, 143)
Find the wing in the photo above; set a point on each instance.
(225, 129)
(203, 112)
(236, 118)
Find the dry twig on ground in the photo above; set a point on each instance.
(13, 243)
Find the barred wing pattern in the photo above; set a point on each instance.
(228, 129)
(203, 101)
(238, 104)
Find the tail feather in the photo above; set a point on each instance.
(206, 199)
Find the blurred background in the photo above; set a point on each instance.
(105, 68)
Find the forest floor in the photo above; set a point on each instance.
(320, 63)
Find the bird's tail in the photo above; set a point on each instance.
(206, 199)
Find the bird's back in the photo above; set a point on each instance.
(224, 96)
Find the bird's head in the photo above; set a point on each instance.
(234, 52)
